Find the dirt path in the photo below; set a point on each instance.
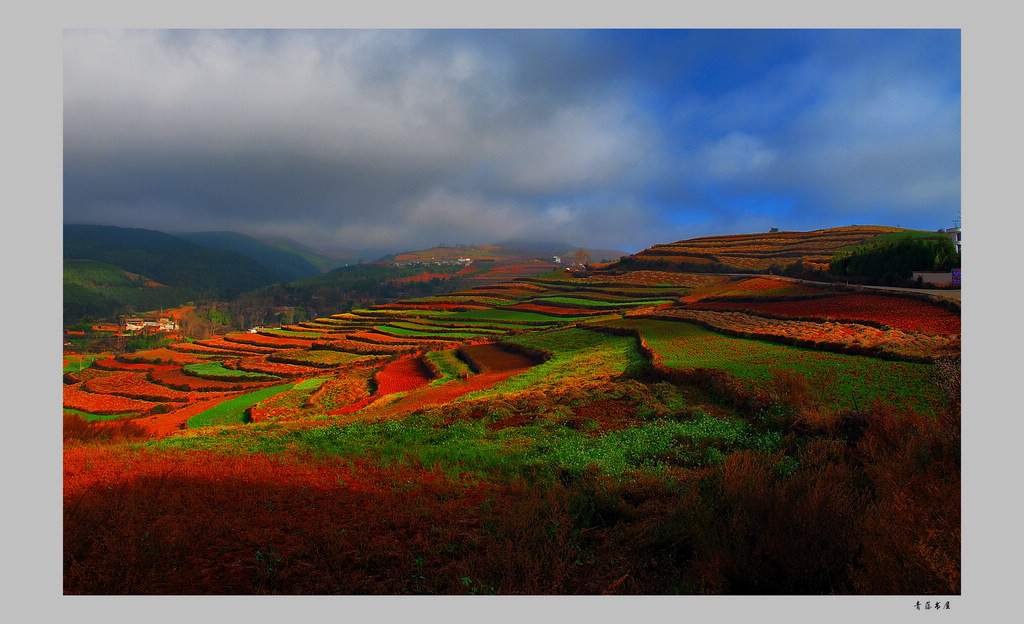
(442, 395)
(160, 425)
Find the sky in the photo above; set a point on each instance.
(404, 139)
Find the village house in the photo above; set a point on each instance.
(163, 324)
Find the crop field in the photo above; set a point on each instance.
(626, 431)
(826, 335)
(848, 380)
(890, 311)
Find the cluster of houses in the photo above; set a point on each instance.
(163, 324)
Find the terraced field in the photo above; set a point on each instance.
(625, 431)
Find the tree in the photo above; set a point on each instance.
(581, 257)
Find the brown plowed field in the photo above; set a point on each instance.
(491, 358)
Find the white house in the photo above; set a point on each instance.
(954, 235)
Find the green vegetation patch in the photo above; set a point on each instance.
(842, 381)
(450, 365)
(82, 363)
(401, 331)
(92, 417)
(544, 446)
(521, 316)
(291, 333)
(593, 303)
(217, 370)
(435, 328)
(324, 357)
(577, 356)
(311, 384)
(232, 411)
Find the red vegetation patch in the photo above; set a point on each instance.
(260, 364)
(134, 386)
(255, 524)
(442, 395)
(114, 430)
(378, 337)
(897, 312)
(222, 344)
(401, 376)
(176, 378)
(366, 348)
(78, 399)
(163, 355)
(425, 276)
(432, 306)
(554, 310)
(342, 392)
(658, 278)
(109, 363)
(160, 425)
(262, 340)
(201, 349)
(849, 337)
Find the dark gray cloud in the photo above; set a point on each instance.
(410, 138)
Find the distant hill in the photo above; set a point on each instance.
(513, 251)
(167, 259)
(101, 290)
(327, 259)
(285, 264)
(756, 253)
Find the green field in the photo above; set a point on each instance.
(232, 411)
(847, 381)
(594, 303)
(215, 370)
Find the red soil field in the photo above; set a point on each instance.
(896, 312)
(492, 358)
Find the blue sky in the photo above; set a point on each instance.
(403, 139)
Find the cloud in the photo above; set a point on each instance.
(407, 138)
